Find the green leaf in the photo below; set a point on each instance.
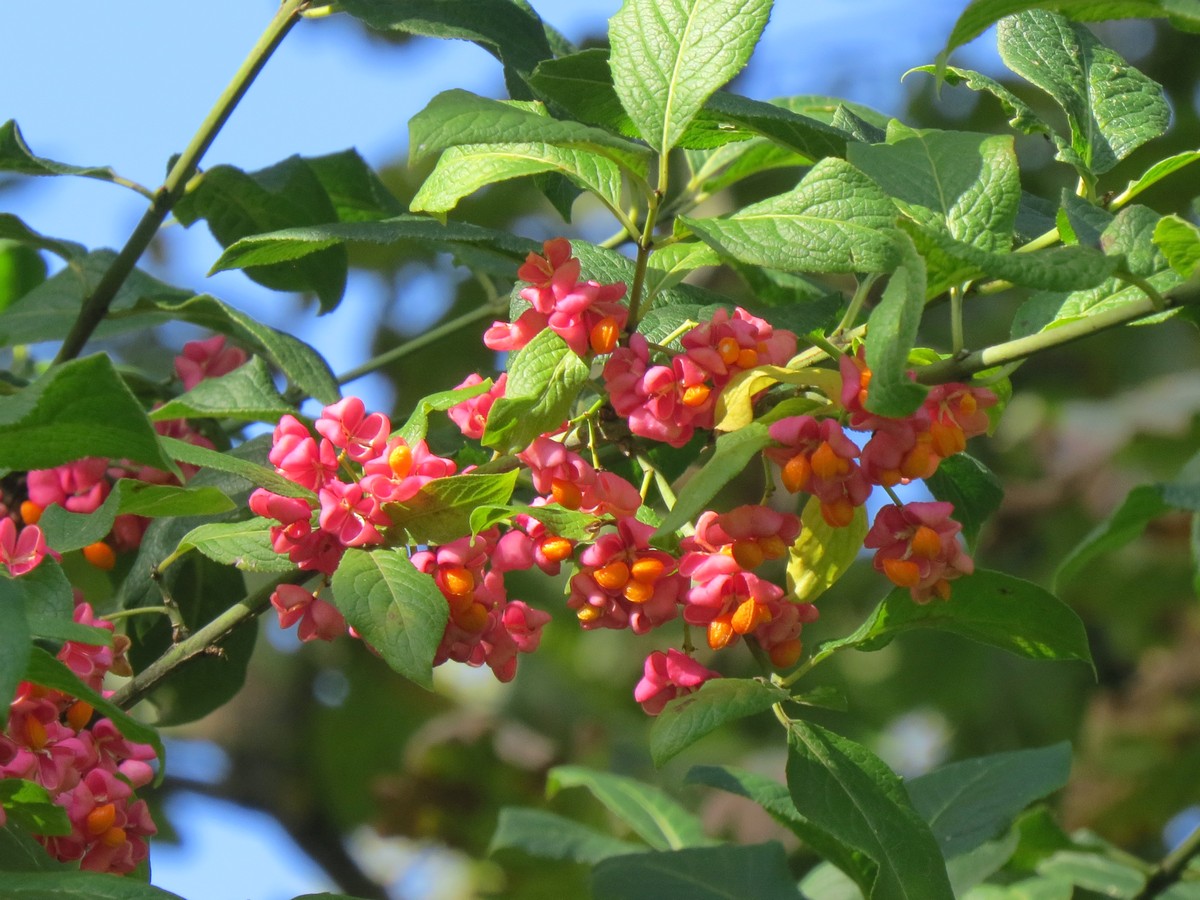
(970, 802)
(19, 852)
(398, 610)
(66, 531)
(45, 670)
(243, 545)
(735, 404)
(1020, 114)
(14, 230)
(247, 394)
(1179, 241)
(669, 57)
(456, 118)
(1112, 108)
(726, 872)
(76, 884)
(440, 512)
(234, 465)
(687, 719)
(22, 268)
(463, 170)
(544, 378)
(973, 489)
(732, 454)
(1140, 506)
(811, 139)
(295, 243)
(567, 523)
(670, 265)
(963, 184)
(1129, 238)
(77, 409)
(415, 427)
(288, 194)
(989, 607)
(652, 815)
(510, 32)
(835, 220)
(581, 84)
(982, 14)
(608, 267)
(15, 640)
(891, 333)
(49, 604)
(549, 836)
(822, 553)
(354, 189)
(1093, 872)
(15, 156)
(862, 803)
(777, 801)
(1156, 173)
(29, 805)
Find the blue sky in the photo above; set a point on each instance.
(125, 83)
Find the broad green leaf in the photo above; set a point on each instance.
(810, 138)
(735, 404)
(235, 465)
(581, 84)
(733, 453)
(1112, 108)
(822, 553)
(982, 14)
(1179, 241)
(969, 869)
(415, 427)
(1129, 238)
(609, 267)
(651, 814)
(862, 803)
(29, 805)
(970, 802)
(1156, 173)
(202, 590)
(15, 156)
(835, 220)
(66, 531)
(19, 852)
(49, 604)
(963, 184)
(243, 545)
(827, 881)
(973, 489)
(463, 170)
(670, 265)
(14, 230)
(22, 268)
(1094, 872)
(777, 801)
(891, 333)
(663, 321)
(47, 312)
(76, 885)
(246, 394)
(1021, 115)
(669, 56)
(549, 836)
(1141, 505)
(989, 607)
(354, 189)
(544, 378)
(77, 409)
(567, 523)
(687, 719)
(440, 512)
(456, 118)
(725, 872)
(288, 194)
(398, 610)
(1081, 222)
(460, 239)
(15, 640)
(509, 31)
(45, 670)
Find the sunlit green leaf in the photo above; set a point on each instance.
(398, 610)
(669, 57)
(15, 156)
(891, 333)
(822, 554)
(687, 719)
(243, 545)
(14, 640)
(973, 489)
(1179, 241)
(725, 872)
(549, 836)
(29, 805)
(235, 465)
(246, 394)
(440, 511)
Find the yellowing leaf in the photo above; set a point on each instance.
(822, 553)
(735, 406)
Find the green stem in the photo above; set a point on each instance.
(138, 611)
(856, 304)
(96, 304)
(956, 319)
(1048, 239)
(965, 364)
(1171, 869)
(422, 340)
(200, 641)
